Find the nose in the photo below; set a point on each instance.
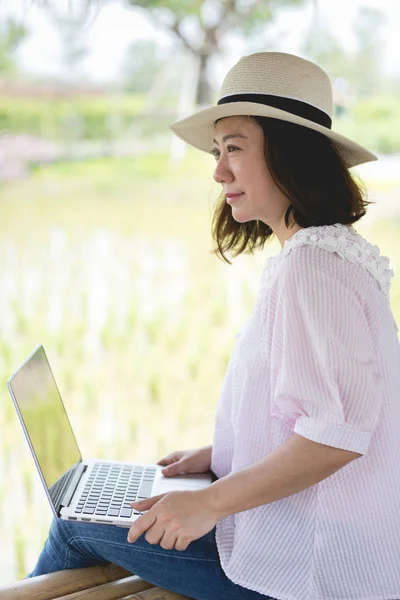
(222, 172)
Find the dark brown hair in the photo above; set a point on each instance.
(307, 168)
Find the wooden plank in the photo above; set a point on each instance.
(53, 585)
(111, 591)
(156, 593)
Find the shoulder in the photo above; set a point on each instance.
(331, 256)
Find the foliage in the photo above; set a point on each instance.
(235, 13)
(11, 36)
(71, 24)
(144, 60)
(362, 67)
(200, 25)
(90, 115)
(372, 121)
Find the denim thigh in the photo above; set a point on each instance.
(195, 572)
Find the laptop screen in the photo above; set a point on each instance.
(44, 418)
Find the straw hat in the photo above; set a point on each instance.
(277, 85)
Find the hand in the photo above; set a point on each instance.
(197, 460)
(174, 519)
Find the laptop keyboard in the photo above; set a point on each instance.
(110, 489)
(57, 487)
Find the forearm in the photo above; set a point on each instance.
(292, 467)
(207, 451)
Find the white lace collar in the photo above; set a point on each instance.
(346, 242)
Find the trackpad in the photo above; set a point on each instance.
(183, 482)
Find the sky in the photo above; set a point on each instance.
(113, 27)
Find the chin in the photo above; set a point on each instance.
(241, 218)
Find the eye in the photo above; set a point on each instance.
(216, 153)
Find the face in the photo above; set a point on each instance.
(242, 171)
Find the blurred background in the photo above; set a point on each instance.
(105, 246)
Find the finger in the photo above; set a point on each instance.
(168, 541)
(155, 533)
(167, 460)
(181, 544)
(140, 526)
(175, 469)
(147, 503)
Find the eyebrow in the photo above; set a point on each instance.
(229, 136)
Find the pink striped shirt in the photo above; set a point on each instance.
(319, 356)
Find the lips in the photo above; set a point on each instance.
(231, 198)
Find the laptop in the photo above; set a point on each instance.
(94, 491)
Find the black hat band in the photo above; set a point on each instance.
(296, 107)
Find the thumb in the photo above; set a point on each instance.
(147, 503)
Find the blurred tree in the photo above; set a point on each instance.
(11, 36)
(143, 61)
(71, 26)
(201, 24)
(362, 68)
(367, 64)
(71, 21)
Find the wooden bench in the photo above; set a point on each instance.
(92, 583)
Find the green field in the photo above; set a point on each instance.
(109, 264)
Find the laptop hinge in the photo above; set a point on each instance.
(80, 469)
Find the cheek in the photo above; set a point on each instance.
(257, 171)
(259, 182)
(265, 180)
(253, 175)
(250, 174)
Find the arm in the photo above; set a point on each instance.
(175, 519)
(292, 467)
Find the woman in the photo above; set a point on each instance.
(306, 448)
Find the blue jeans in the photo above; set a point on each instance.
(195, 572)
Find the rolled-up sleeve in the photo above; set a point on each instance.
(326, 384)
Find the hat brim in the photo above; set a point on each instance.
(198, 130)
